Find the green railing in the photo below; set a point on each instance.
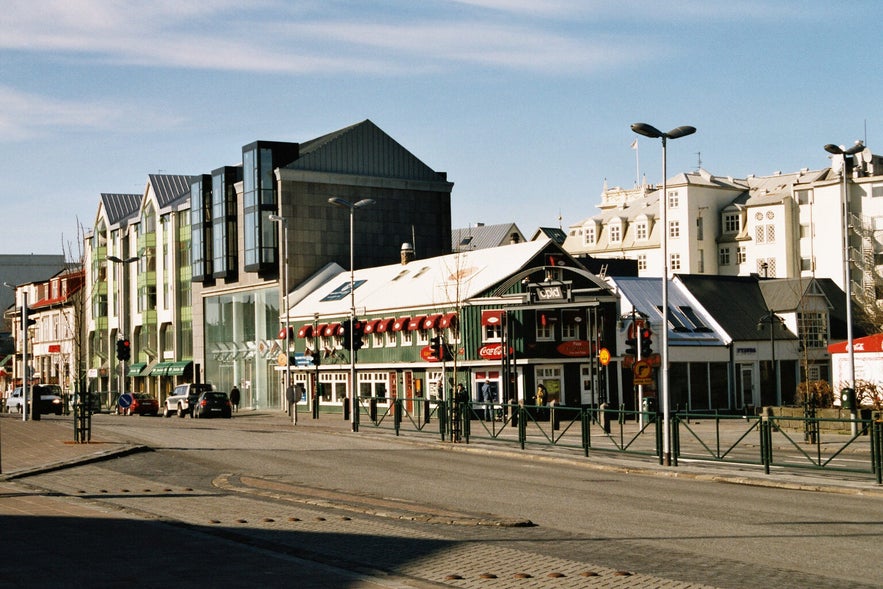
(763, 440)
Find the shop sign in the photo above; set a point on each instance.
(493, 352)
(578, 348)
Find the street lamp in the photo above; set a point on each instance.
(844, 203)
(340, 202)
(654, 133)
(284, 223)
(23, 324)
(773, 320)
(123, 334)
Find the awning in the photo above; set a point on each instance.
(136, 368)
(400, 323)
(383, 325)
(430, 321)
(371, 325)
(7, 360)
(331, 329)
(447, 320)
(492, 317)
(171, 368)
(305, 330)
(320, 329)
(416, 322)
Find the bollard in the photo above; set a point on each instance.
(346, 409)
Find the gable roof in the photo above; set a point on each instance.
(556, 234)
(735, 302)
(440, 283)
(689, 324)
(483, 236)
(362, 149)
(120, 207)
(169, 188)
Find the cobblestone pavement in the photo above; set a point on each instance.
(313, 534)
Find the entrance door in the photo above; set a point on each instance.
(745, 386)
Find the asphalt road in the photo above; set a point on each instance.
(233, 501)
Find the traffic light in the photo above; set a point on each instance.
(124, 349)
(357, 333)
(437, 344)
(631, 347)
(26, 320)
(346, 330)
(646, 343)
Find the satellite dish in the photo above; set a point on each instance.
(867, 156)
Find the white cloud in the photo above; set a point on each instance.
(26, 116)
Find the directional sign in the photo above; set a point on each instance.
(125, 400)
(604, 356)
(643, 372)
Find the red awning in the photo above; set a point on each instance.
(371, 325)
(448, 320)
(320, 329)
(430, 321)
(305, 330)
(416, 323)
(383, 325)
(492, 317)
(400, 323)
(332, 329)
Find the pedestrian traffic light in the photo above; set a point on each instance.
(357, 332)
(631, 347)
(124, 349)
(646, 343)
(26, 320)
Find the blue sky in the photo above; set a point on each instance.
(526, 104)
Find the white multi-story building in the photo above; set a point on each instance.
(777, 226)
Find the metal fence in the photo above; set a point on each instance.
(765, 440)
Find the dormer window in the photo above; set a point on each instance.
(615, 233)
(589, 236)
(641, 230)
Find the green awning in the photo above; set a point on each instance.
(160, 369)
(178, 368)
(136, 368)
(6, 360)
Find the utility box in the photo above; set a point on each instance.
(847, 398)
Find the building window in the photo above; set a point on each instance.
(804, 231)
(701, 267)
(615, 234)
(545, 328)
(700, 229)
(760, 234)
(813, 329)
(741, 255)
(806, 264)
(724, 256)
(642, 261)
(641, 231)
(673, 200)
(731, 223)
(589, 236)
(771, 234)
(766, 267)
(674, 229)
(675, 262)
(804, 197)
(201, 228)
(493, 333)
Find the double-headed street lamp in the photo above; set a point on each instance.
(352, 206)
(773, 320)
(654, 133)
(284, 222)
(844, 203)
(123, 333)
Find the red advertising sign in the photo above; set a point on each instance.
(493, 352)
(578, 348)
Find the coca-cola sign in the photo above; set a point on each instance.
(493, 352)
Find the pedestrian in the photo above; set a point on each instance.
(540, 401)
(489, 397)
(289, 398)
(234, 398)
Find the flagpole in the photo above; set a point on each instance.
(637, 162)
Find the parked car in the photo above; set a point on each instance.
(182, 399)
(142, 404)
(213, 404)
(49, 395)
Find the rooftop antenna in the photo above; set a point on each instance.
(699, 164)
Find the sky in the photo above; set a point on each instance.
(525, 104)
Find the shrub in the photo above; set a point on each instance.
(817, 392)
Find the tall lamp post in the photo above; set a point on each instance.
(772, 319)
(123, 334)
(847, 279)
(352, 206)
(284, 223)
(654, 133)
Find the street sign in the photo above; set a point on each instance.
(125, 400)
(643, 372)
(604, 356)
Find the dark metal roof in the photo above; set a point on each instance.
(556, 234)
(169, 187)
(484, 236)
(362, 149)
(120, 207)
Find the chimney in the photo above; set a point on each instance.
(407, 253)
